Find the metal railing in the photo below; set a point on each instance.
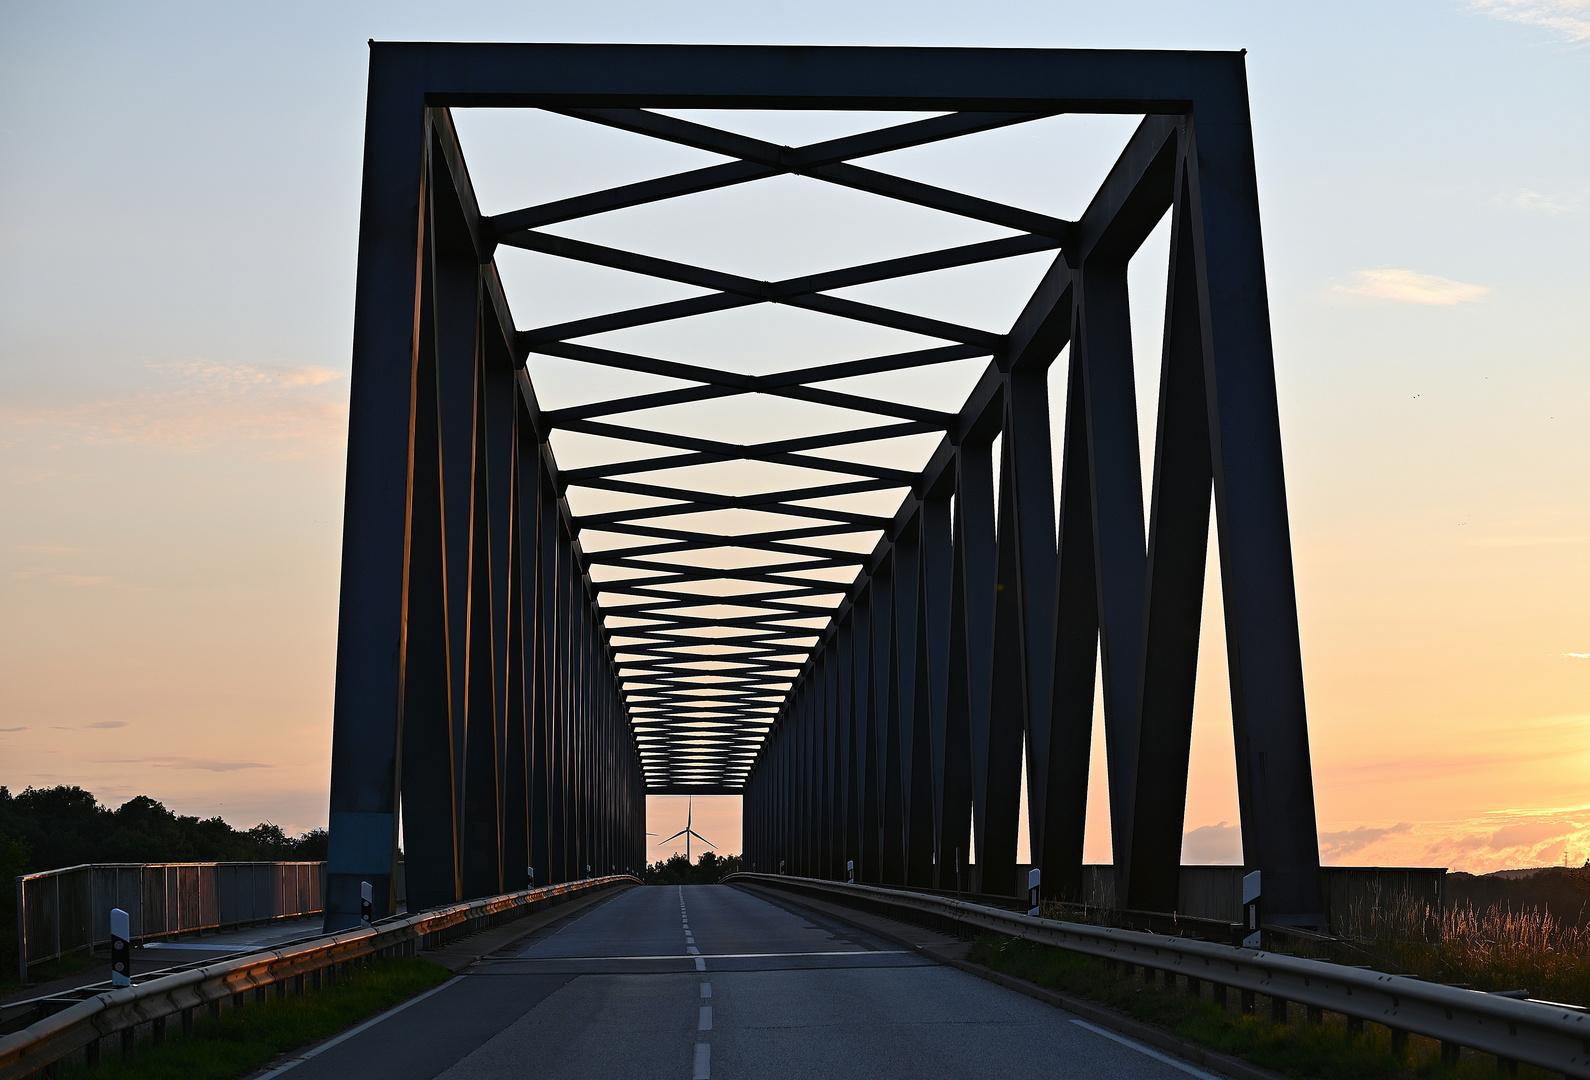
(80, 1025)
(68, 910)
(1540, 1033)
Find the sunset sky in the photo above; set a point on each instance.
(178, 223)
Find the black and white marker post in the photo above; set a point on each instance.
(366, 903)
(850, 871)
(1034, 878)
(530, 876)
(120, 948)
(1252, 937)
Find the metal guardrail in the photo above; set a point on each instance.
(68, 910)
(82, 1024)
(1540, 1033)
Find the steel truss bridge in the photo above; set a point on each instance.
(864, 649)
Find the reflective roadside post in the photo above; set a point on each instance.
(1252, 935)
(1034, 878)
(366, 903)
(120, 948)
(530, 876)
(850, 871)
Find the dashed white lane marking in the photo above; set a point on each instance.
(705, 1022)
(692, 950)
(703, 1062)
(701, 965)
(1175, 1063)
(706, 990)
(351, 1032)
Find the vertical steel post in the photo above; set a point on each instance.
(367, 726)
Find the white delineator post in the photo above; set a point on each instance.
(1251, 934)
(1034, 879)
(120, 948)
(366, 902)
(850, 871)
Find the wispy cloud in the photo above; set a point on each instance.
(1338, 845)
(1528, 199)
(98, 725)
(11, 730)
(204, 764)
(1570, 19)
(201, 404)
(201, 764)
(1499, 840)
(55, 578)
(1412, 287)
(1575, 655)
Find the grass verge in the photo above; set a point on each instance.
(240, 1040)
(1325, 1051)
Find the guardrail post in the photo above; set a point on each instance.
(91, 1053)
(1278, 1012)
(1248, 1002)
(157, 1029)
(128, 1037)
(187, 1023)
(1399, 1042)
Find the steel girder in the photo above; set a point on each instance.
(888, 730)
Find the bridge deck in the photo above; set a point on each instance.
(768, 992)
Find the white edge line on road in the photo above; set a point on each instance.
(351, 1032)
(1175, 1063)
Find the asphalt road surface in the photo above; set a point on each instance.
(707, 982)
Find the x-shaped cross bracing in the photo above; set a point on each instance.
(657, 610)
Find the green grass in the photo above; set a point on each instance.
(1327, 1051)
(242, 1040)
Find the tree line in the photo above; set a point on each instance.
(48, 828)
(708, 870)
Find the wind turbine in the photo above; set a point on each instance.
(687, 832)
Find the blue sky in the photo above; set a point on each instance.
(177, 233)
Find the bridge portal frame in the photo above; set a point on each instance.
(958, 645)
